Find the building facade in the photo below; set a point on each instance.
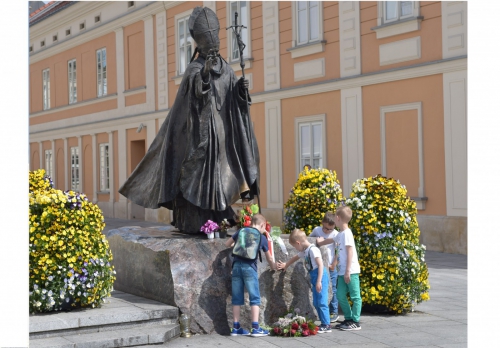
(362, 88)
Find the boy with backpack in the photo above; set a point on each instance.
(313, 262)
(247, 246)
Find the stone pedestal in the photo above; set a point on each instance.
(194, 274)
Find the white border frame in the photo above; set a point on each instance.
(381, 13)
(405, 107)
(306, 119)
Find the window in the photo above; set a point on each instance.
(185, 44)
(242, 7)
(104, 161)
(97, 19)
(31, 48)
(72, 81)
(42, 43)
(54, 38)
(102, 81)
(311, 144)
(48, 163)
(397, 10)
(130, 4)
(68, 32)
(75, 165)
(307, 14)
(82, 26)
(46, 89)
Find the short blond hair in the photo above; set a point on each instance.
(344, 213)
(297, 236)
(258, 219)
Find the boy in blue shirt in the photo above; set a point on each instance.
(244, 275)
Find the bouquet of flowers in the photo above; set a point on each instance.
(209, 227)
(246, 216)
(224, 225)
(294, 325)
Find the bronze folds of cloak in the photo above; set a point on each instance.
(205, 156)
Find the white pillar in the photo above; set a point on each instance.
(94, 168)
(120, 68)
(149, 48)
(161, 59)
(66, 186)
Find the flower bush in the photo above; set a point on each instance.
(209, 227)
(315, 192)
(384, 224)
(294, 325)
(69, 257)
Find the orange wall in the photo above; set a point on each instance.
(330, 53)
(139, 98)
(135, 59)
(429, 91)
(86, 79)
(430, 36)
(324, 103)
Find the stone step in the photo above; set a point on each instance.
(129, 337)
(121, 311)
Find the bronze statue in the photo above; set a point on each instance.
(205, 155)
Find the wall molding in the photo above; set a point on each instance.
(400, 51)
(454, 28)
(274, 158)
(404, 107)
(349, 38)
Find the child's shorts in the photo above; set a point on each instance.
(244, 276)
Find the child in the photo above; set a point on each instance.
(348, 281)
(244, 275)
(319, 279)
(327, 231)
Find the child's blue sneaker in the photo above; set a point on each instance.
(259, 332)
(239, 332)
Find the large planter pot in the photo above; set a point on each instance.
(210, 235)
(223, 234)
(216, 234)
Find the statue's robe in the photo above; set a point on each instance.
(205, 155)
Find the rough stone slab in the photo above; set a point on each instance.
(121, 315)
(194, 274)
(53, 342)
(53, 322)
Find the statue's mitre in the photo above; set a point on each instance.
(204, 26)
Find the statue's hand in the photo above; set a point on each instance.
(210, 62)
(243, 83)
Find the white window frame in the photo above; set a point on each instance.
(49, 169)
(295, 26)
(46, 89)
(104, 165)
(310, 121)
(102, 72)
(72, 87)
(246, 34)
(75, 167)
(178, 18)
(382, 12)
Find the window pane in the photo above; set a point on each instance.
(302, 26)
(305, 141)
(244, 21)
(234, 8)
(314, 22)
(391, 10)
(317, 140)
(182, 60)
(302, 5)
(406, 8)
(316, 163)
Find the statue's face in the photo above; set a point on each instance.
(214, 44)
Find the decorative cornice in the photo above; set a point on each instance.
(389, 75)
(75, 105)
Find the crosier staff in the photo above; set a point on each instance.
(241, 46)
